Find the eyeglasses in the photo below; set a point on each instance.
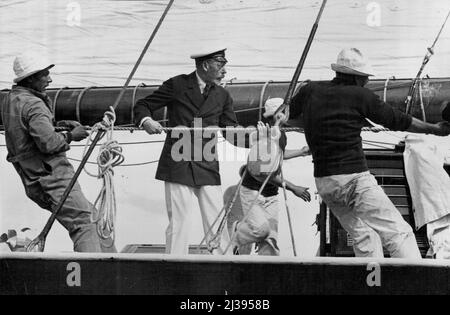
(222, 61)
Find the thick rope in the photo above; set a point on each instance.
(375, 129)
(110, 156)
(386, 88)
(55, 101)
(422, 107)
(261, 98)
(78, 103)
(230, 129)
(121, 165)
(133, 99)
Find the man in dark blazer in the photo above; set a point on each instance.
(192, 100)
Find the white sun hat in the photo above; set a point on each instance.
(28, 64)
(271, 106)
(352, 61)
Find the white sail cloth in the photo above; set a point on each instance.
(429, 184)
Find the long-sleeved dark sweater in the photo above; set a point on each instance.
(333, 114)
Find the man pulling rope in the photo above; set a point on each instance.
(37, 152)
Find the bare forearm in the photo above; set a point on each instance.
(289, 154)
(419, 126)
(277, 181)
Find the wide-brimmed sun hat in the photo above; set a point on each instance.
(352, 61)
(28, 64)
(271, 106)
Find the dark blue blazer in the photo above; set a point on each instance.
(181, 95)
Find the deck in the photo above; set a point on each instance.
(158, 274)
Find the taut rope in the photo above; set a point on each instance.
(288, 212)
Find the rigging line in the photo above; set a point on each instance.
(375, 141)
(288, 212)
(430, 52)
(129, 164)
(124, 143)
(214, 242)
(231, 129)
(378, 142)
(166, 129)
(440, 31)
(378, 146)
(386, 131)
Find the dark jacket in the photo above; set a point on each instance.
(35, 149)
(181, 95)
(333, 114)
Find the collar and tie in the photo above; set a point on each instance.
(206, 90)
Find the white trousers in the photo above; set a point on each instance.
(180, 204)
(368, 215)
(261, 224)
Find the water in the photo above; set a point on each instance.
(265, 39)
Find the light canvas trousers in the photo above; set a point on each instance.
(75, 214)
(368, 215)
(180, 204)
(260, 225)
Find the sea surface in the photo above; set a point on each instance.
(96, 43)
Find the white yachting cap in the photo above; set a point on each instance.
(28, 64)
(207, 53)
(352, 61)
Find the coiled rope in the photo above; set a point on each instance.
(110, 155)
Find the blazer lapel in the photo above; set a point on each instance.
(193, 91)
